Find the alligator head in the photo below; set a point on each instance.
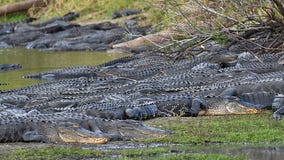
(225, 106)
(72, 132)
(130, 129)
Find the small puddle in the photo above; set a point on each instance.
(34, 61)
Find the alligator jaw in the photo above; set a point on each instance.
(230, 107)
(76, 134)
(241, 109)
(142, 131)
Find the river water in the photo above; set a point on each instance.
(34, 61)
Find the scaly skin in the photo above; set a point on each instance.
(71, 127)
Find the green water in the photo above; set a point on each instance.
(34, 61)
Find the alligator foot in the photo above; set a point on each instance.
(197, 105)
(279, 114)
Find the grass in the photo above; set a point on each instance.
(224, 129)
(49, 153)
(191, 137)
(13, 17)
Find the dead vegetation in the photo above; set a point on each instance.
(255, 26)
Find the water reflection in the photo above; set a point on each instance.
(34, 61)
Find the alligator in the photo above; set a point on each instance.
(67, 17)
(71, 72)
(266, 100)
(111, 110)
(71, 127)
(8, 67)
(53, 27)
(125, 12)
(279, 114)
(10, 27)
(151, 106)
(153, 65)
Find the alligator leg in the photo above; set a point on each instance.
(142, 113)
(278, 102)
(197, 105)
(33, 136)
(262, 99)
(279, 114)
(93, 126)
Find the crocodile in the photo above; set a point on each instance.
(71, 128)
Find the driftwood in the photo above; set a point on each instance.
(151, 39)
(19, 6)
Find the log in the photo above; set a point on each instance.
(17, 7)
(151, 39)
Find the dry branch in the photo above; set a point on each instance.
(19, 6)
(151, 39)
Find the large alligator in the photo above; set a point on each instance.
(71, 127)
(10, 27)
(112, 88)
(269, 100)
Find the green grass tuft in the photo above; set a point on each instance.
(225, 129)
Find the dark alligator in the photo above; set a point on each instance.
(8, 67)
(80, 71)
(57, 34)
(67, 17)
(184, 88)
(125, 12)
(267, 100)
(10, 27)
(71, 127)
(118, 110)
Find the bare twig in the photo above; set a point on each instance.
(217, 13)
(17, 7)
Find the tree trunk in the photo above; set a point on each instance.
(17, 7)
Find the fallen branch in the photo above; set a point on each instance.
(151, 39)
(17, 7)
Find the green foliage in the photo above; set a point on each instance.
(52, 153)
(220, 38)
(202, 157)
(14, 17)
(225, 129)
(5, 2)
